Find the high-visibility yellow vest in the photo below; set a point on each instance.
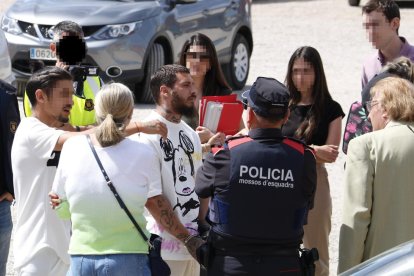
(83, 110)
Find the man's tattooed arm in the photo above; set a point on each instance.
(162, 211)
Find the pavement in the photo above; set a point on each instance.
(335, 30)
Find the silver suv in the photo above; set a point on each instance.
(132, 38)
(5, 64)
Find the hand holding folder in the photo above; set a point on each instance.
(221, 113)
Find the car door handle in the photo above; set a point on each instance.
(206, 12)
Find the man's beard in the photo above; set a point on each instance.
(63, 119)
(179, 106)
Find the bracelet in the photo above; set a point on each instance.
(77, 128)
(189, 238)
(136, 125)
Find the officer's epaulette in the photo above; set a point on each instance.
(297, 144)
(216, 149)
(238, 140)
(8, 88)
(231, 143)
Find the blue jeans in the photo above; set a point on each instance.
(6, 227)
(109, 265)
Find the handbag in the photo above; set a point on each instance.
(157, 265)
(356, 125)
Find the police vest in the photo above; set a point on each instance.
(265, 200)
(9, 120)
(83, 110)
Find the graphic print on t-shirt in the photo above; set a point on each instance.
(54, 159)
(182, 166)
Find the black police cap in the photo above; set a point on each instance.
(268, 97)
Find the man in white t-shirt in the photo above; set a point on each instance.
(41, 238)
(173, 204)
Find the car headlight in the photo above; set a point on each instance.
(10, 25)
(115, 31)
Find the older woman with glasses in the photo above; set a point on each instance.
(378, 188)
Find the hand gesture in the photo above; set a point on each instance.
(54, 200)
(217, 139)
(153, 127)
(326, 153)
(192, 244)
(6, 196)
(204, 133)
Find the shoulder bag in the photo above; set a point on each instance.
(157, 265)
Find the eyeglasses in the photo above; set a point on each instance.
(369, 105)
(199, 55)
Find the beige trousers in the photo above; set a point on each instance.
(184, 268)
(319, 222)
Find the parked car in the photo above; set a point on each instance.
(356, 2)
(135, 37)
(5, 64)
(398, 261)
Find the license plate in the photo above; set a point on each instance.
(42, 53)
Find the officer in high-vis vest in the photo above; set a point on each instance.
(83, 111)
(261, 187)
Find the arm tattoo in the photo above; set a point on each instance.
(169, 221)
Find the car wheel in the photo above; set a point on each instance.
(156, 59)
(238, 69)
(353, 2)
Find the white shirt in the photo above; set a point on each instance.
(34, 166)
(179, 164)
(99, 224)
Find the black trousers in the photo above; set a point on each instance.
(254, 265)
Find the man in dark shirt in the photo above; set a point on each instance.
(261, 188)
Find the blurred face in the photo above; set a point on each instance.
(197, 60)
(303, 75)
(58, 105)
(377, 114)
(379, 30)
(183, 95)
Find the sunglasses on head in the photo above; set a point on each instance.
(200, 55)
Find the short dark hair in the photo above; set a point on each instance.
(69, 27)
(45, 79)
(389, 8)
(165, 75)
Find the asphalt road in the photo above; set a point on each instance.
(332, 27)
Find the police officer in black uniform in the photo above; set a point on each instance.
(9, 120)
(261, 188)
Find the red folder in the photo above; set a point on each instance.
(230, 114)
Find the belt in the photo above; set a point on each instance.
(285, 252)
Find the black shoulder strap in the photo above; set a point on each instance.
(112, 187)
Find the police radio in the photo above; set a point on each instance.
(71, 50)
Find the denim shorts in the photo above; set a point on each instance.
(109, 265)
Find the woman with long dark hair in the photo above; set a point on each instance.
(200, 57)
(315, 119)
